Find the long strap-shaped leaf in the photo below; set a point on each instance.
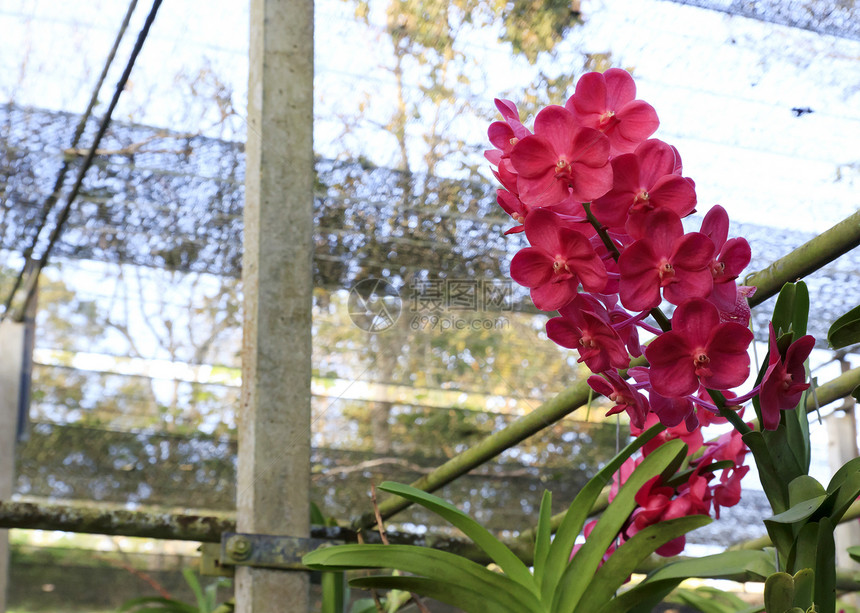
(626, 558)
(738, 564)
(459, 596)
(543, 534)
(510, 564)
(441, 566)
(574, 519)
(642, 598)
(581, 569)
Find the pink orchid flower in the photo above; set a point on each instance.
(666, 259)
(642, 182)
(561, 160)
(557, 262)
(698, 349)
(784, 380)
(606, 102)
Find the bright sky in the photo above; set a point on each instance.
(724, 87)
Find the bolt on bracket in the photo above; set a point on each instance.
(268, 551)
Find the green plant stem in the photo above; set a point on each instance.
(656, 313)
(726, 412)
(601, 231)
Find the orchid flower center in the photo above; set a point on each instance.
(559, 266)
(562, 170)
(607, 120)
(518, 217)
(702, 363)
(586, 341)
(718, 269)
(666, 272)
(621, 398)
(642, 201)
(513, 141)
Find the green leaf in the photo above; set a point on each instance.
(701, 603)
(825, 567)
(804, 488)
(779, 592)
(797, 513)
(164, 604)
(802, 553)
(365, 605)
(856, 393)
(728, 564)
(775, 488)
(441, 566)
(841, 475)
(194, 584)
(726, 601)
(641, 598)
(801, 309)
(705, 604)
(854, 552)
(847, 492)
(804, 588)
(797, 433)
(791, 311)
(460, 596)
(578, 512)
(543, 536)
(783, 527)
(784, 457)
(581, 569)
(317, 518)
(628, 556)
(845, 330)
(512, 566)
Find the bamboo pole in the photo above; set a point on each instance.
(815, 253)
(809, 257)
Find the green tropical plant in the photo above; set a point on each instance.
(559, 582)
(206, 599)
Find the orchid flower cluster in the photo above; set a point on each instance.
(601, 204)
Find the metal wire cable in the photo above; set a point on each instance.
(51, 200)
(64, 213)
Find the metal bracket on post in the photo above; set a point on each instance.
(210, 561)
(266, 550)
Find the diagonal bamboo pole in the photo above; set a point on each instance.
(810, 256)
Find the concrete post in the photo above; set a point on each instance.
(274, 429)
(11, 365)
(842, 447)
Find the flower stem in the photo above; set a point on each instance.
(601, 231)
(656, 313)
(726, 412)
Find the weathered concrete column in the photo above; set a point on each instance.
(842, 447)
(11, 365)
(274, 429)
